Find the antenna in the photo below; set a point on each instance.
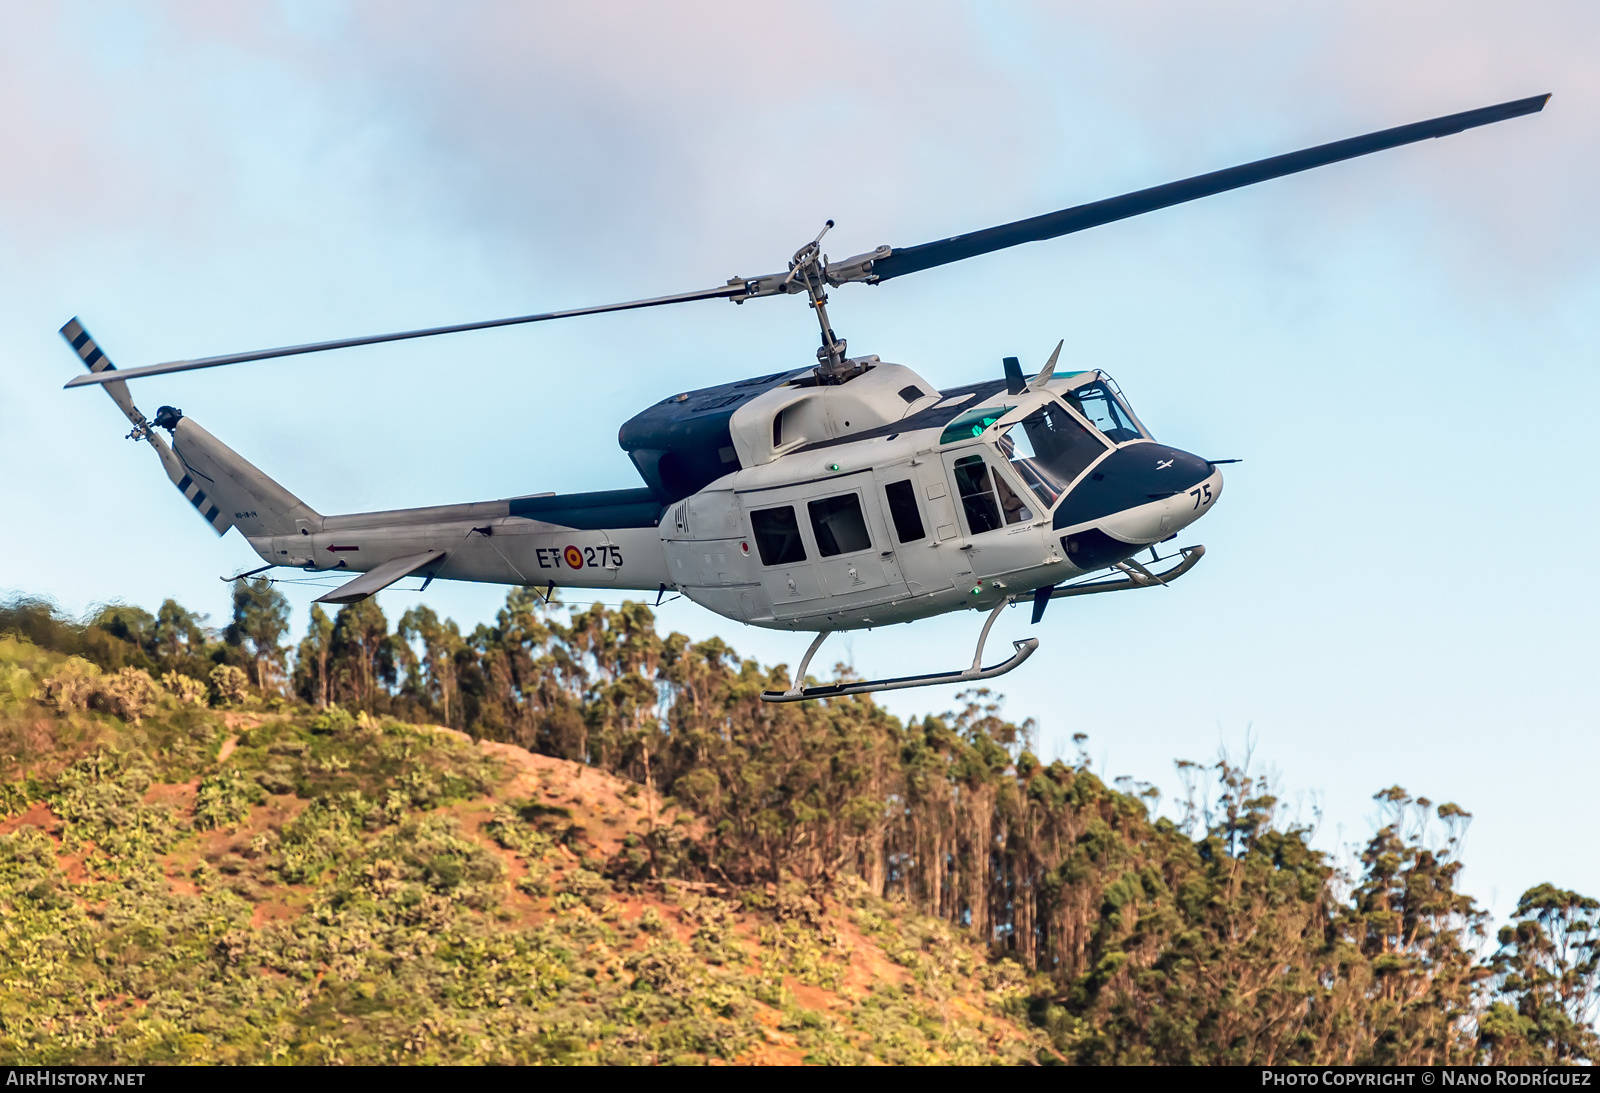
(1049, 368)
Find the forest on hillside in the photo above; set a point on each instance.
(1216, 935)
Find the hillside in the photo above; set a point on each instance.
(213, 887)
(198, 863)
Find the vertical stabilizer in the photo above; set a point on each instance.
(227, 489)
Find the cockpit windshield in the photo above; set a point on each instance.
(1096, 402)
(1048, 449)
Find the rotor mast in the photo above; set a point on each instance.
(809, 268)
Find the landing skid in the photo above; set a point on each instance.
(1023, 650)
(1135, 576)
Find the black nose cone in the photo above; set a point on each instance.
(1129, 477)
(1092, 549)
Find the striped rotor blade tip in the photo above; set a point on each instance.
(84, 346)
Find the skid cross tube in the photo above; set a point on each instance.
(805, 662)
(1135, 576)
(1021, 651)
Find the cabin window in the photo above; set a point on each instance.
(1048, 449)
(1096, 402)
(902, 498)
(839, 525)
(977, 494)
(777, 534)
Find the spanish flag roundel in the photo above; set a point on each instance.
(573, 557)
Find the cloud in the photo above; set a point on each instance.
(1519, 193)
(634, 144)
(588, 137)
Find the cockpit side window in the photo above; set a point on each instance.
(987, 498)
(1048, 449)
(977, 494)
(1014, 507)
(1096, 402)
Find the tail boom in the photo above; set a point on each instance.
(483, 542)
(608, 539)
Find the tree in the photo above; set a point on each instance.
(361, 653)
(179, 634)
(311, 659)
(441, 646)
(628, 656)
(119, 635)
(1547, 971)
(526, 684)
(261, 618)
(1418, 934)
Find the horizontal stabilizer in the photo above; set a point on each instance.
(382, 577)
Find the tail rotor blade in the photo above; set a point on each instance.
(101, 370)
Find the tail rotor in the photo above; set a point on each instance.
(222, 487)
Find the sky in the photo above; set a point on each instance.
(1400, 348)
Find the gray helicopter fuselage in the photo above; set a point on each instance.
(899, 520)
(875, 501)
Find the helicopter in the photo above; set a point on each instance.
(841, 495)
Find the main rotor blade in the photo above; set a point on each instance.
(903, 260)
(110, 376)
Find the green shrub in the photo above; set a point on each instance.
(229, 685)
(223, 799)
(71, 686)
(185, 689)
(127, 694)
